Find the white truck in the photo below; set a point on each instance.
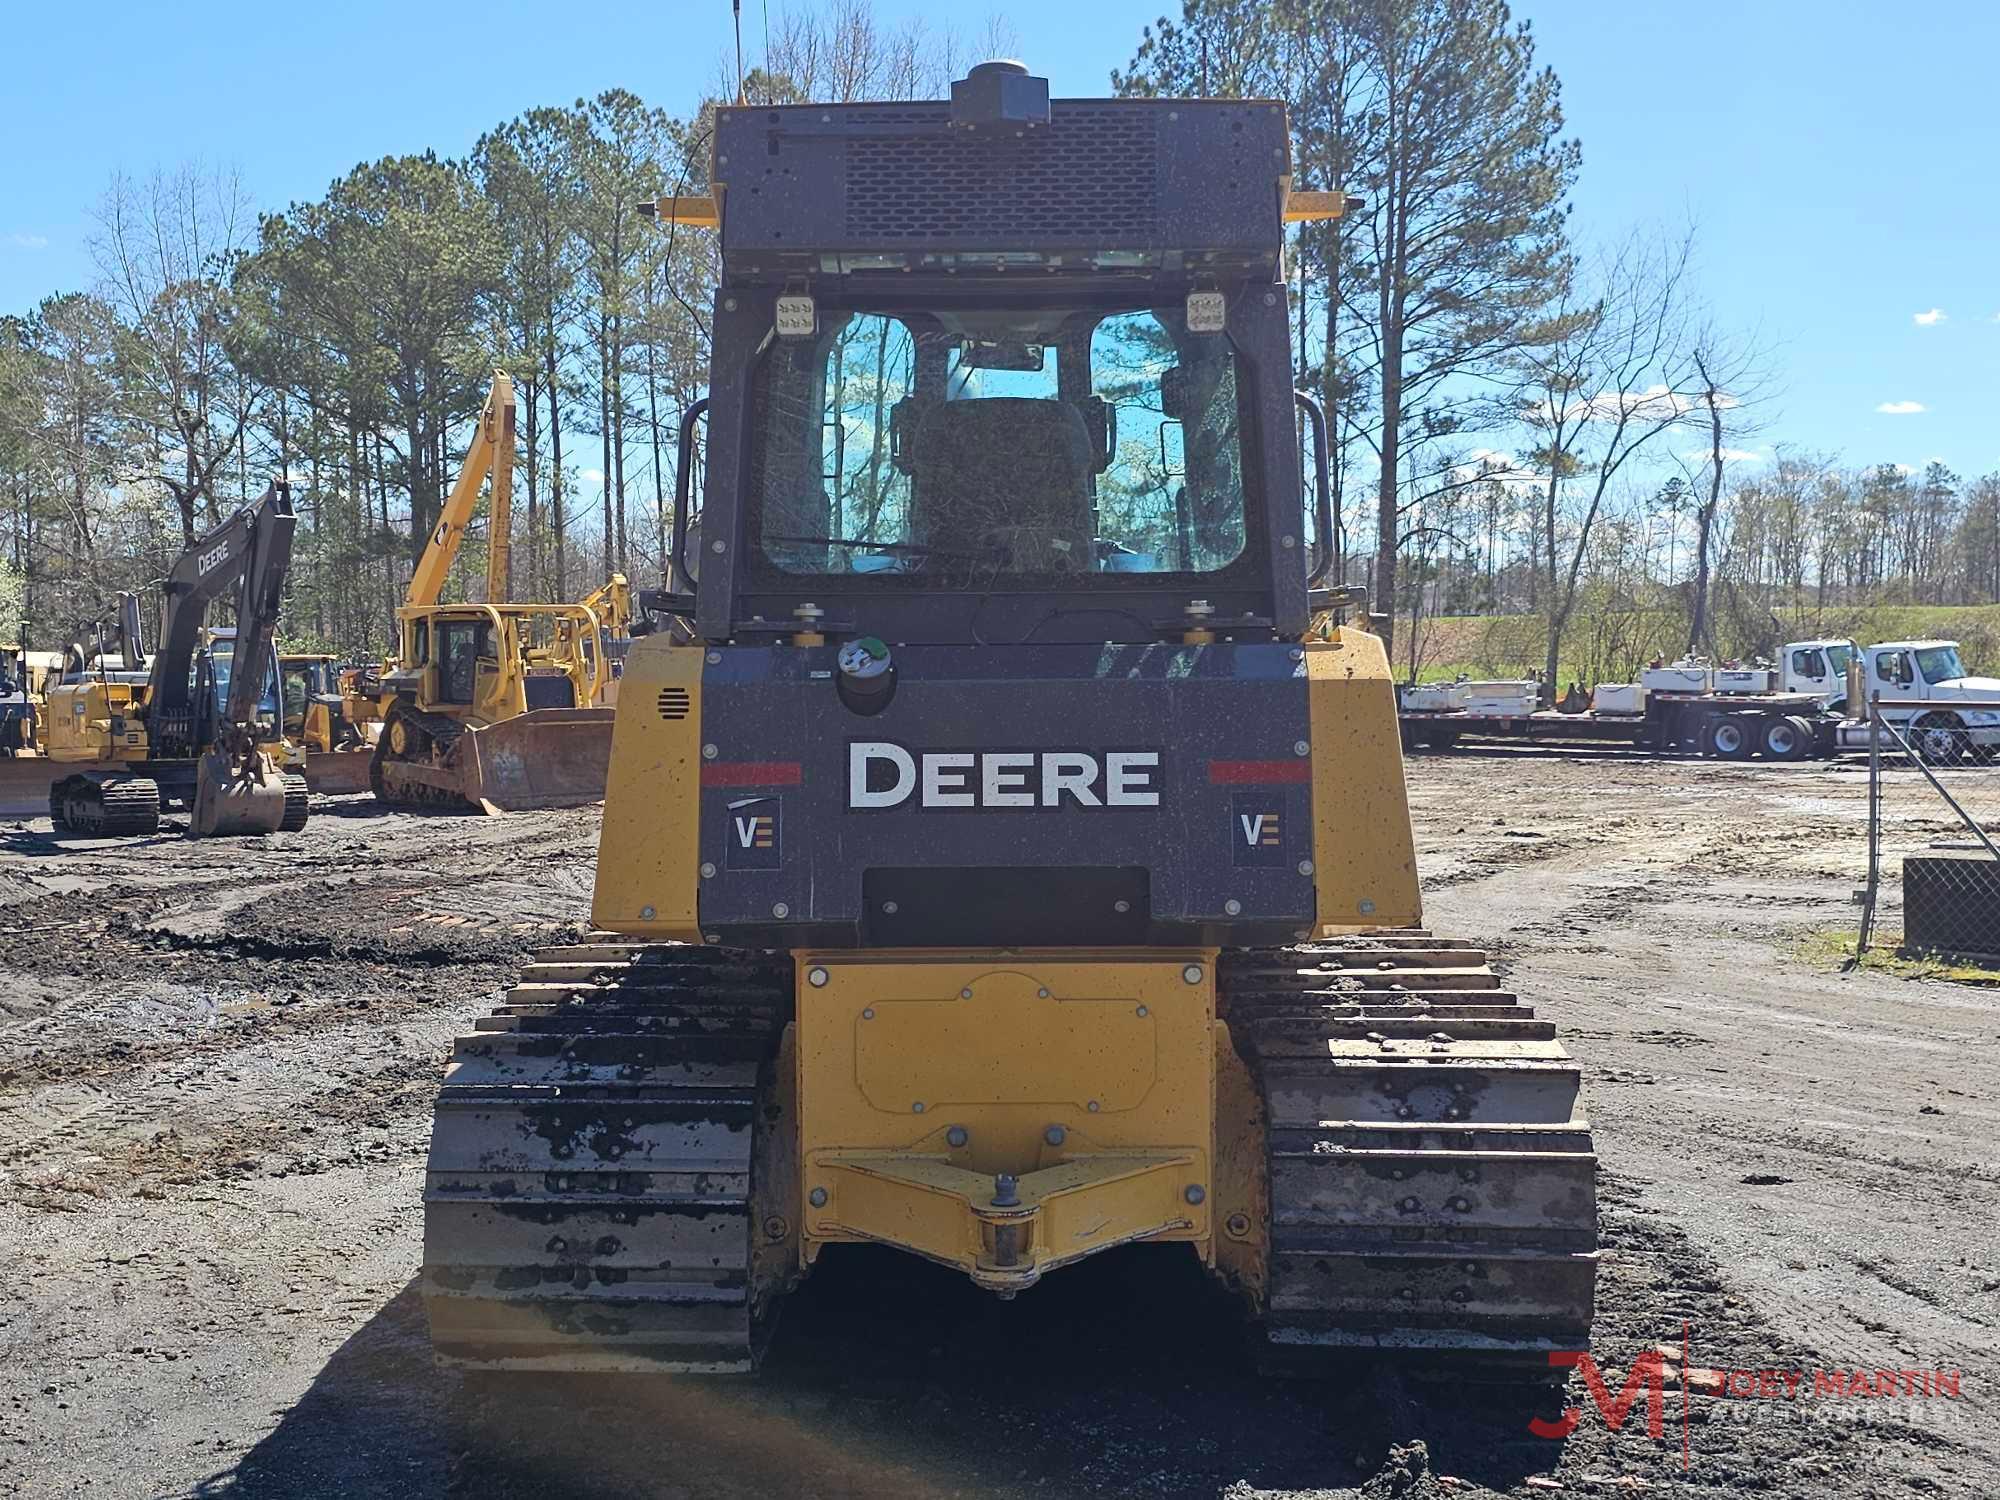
(1790, 710)
(1924, 689)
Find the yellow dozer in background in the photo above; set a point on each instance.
(318, 722)
(497, 706)
(1006, 855)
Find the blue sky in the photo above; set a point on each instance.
(1838, 157)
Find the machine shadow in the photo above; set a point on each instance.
(26, 841)
(889, 1377)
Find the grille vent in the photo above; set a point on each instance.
(1092, 175)
(674, 703)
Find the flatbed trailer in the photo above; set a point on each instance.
(1730, 726)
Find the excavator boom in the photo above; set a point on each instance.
(491, 453)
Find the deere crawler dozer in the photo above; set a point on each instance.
(188, 723)
(1015, 862)
(498, 706)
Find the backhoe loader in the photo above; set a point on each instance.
(493, 705)
(1006, 856)
(195, 723)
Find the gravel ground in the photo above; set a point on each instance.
(216, 1064)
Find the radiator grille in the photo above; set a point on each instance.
(1093, 175)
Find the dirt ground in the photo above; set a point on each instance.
(216, 1065)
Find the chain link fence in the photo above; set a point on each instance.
(1933, 833)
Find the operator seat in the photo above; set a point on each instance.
(1006, 479)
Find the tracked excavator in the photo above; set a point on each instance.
(1008, 857)
(498, 706)
(183, 725)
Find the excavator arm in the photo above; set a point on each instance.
(251, 553)
(492, 452)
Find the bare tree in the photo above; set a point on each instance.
(164, 252)
(1730, 386)
(1617, 373)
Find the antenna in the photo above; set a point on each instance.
(737, 7)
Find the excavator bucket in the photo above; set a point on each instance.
(24, 784)
(547, 757)
(229, 799)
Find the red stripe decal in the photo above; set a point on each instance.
(752, 773)
(1259, 772)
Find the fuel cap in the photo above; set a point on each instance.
(867, 675)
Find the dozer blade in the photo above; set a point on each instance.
(547, 757)
(229, 800)
(337, 772)
(24, 784)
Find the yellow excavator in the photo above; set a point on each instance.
(1006, 856)
(498, 706)
(195, 722)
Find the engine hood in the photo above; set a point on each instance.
(1967, 687)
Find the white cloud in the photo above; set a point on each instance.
(1904, 469)
(1654, 404)
(1729, 455)
(1928, 319)
(595, 476)
(21, 240)
(1900, 408)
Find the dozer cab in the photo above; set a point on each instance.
(182, 726)
(1007, 857)
(315, 710)
(497, 706)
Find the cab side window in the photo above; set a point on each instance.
(1808, 664)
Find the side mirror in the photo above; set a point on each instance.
(1174, 395)
(1324, 540)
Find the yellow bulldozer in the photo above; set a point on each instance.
(320, 722)
(1006, 857)
(497, 706)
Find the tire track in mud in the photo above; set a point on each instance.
(183, 1021)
